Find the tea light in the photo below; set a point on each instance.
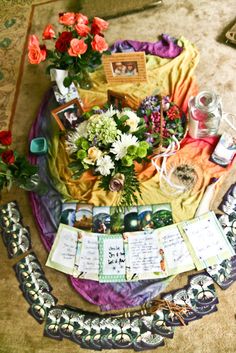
(38, 145)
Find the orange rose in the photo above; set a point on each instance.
(33, 41)
(98, 25)
(36, 53)
(99, 44)
(80, 18)
(67, 18)
(48, 32)
(77, 47)
(82, 29)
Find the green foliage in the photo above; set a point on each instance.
(128, 195)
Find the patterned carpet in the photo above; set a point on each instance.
(21, 90)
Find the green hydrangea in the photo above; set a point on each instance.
(102, 129)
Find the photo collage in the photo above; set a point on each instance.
(111, 220)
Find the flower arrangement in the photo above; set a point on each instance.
(14, 168)
(108, 143)
(77, 49)
(173, 124)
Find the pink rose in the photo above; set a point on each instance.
(33, 40)
(36, 52)
(99, 44)
(82, 29)
(67, 18)
(80, 18)
(98, 25)
(77, 47)
(48, 32)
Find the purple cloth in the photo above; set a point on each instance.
(47, 211)
(167, 47)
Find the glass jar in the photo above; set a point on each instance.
(205, 112)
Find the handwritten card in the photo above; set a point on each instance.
(62, 254)
(86, 259)
(177, 255)
(144, 254)
(206, 240)
(111, 258)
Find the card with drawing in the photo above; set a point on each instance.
(161, 215)
(145, 217)
(117, 220)
(101, 220)
(77, 215)
(131, 221)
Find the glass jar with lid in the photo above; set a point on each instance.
(205, 112)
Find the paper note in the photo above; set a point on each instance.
(144, 253)
(207, 240)
(62, 254)
(111, 258)
(88, 261)
(177, 255)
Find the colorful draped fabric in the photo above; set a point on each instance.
(166, 76)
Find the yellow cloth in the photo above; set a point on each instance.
(166, 76)
(173, 77)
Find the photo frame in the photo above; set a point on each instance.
(117, 100)
(68, 115)
(125, 67)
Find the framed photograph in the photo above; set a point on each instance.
(125, 67)
(117, 100)
(68, 115)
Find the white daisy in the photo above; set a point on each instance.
(111, 111)
(72, 137)
(119, 147)
(104, 165)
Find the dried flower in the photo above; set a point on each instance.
(117, 182)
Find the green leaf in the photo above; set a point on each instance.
(107, 52)
(68, 60)
(67, 81)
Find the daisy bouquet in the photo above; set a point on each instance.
(107, 143)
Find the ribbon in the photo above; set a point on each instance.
(173, 147)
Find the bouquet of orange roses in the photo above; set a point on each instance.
(77, 49)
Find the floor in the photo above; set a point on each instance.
(22, 87)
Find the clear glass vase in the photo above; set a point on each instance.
(83, 80)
